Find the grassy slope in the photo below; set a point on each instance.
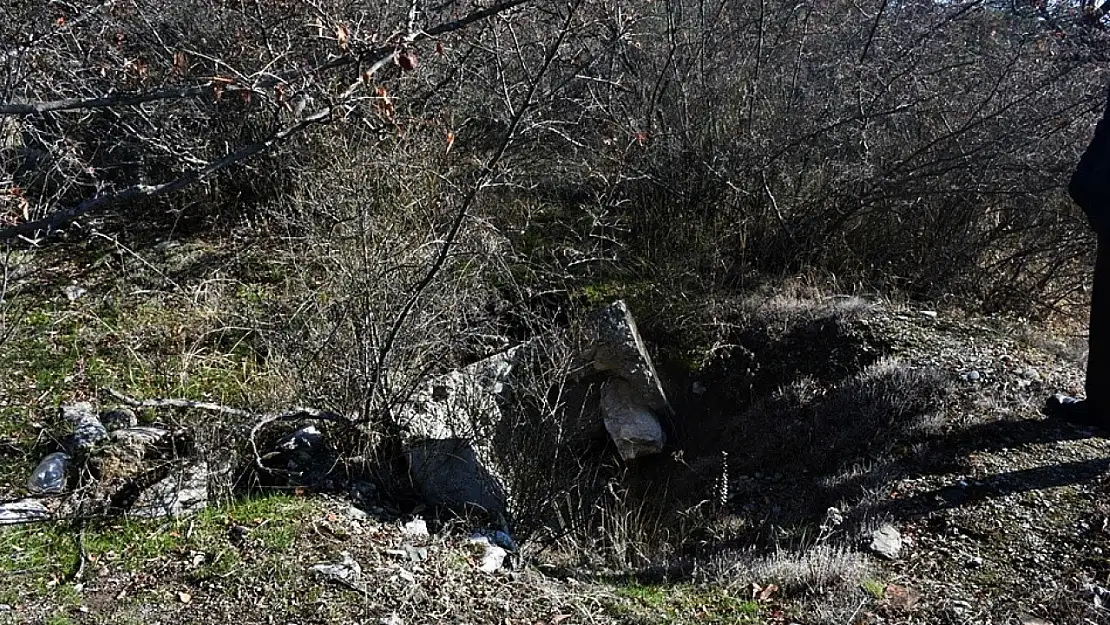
(166, 322)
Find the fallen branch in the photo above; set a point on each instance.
(261, 420)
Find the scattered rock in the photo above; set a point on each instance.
(347, 571)
(87, 428)
(355, 513)
(492, 556)
(416, 554)
(49, 477)
(23, 511)
(184, 492)
(886, 542)
(73, 292)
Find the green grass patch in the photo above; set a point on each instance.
(683, 604)
(874, 587)
(47, 551)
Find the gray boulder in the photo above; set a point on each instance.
(451, 424)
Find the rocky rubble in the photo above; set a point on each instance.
(451, 424)
(453, 421)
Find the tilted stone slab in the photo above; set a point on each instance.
(633, 401)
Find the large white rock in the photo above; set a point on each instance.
(451, 424)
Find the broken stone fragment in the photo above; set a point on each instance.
(634, 401)
(632, 425)
(492, 556)
(887, 542)
(23, 511)
(183, 492)
(49, 477)
(347, 571)
(87, 428)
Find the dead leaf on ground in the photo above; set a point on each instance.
(900, 598)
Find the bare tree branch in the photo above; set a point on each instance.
(464, 209)
(38, 108)
(59, 219)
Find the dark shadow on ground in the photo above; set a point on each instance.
(971, 492)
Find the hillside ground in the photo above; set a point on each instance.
(857, 412)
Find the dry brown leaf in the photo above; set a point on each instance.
(343, 36)
(768, 590)
(900, 598)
